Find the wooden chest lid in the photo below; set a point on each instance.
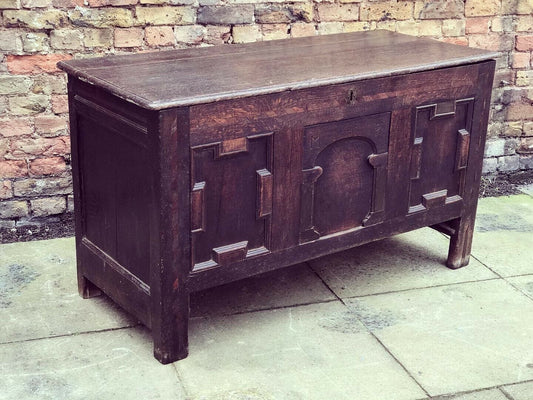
(165, 79)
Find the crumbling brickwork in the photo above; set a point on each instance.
(35, 179)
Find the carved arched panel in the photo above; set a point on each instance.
(344, 175)
(343, 193)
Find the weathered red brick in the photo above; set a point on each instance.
(159, 36)
(29, 104)
(520, 111)
(493, 41)
(67, 3)
(524, 43)
(246, 33)
(502, 24)
(191, 34)
(116, 3)
(66, 39)
(30, 147)
(59, 103)
(33, 187)
(35, 3)
(6, 190)
(13, 209)
(215, 34)
(520, 60)
(275, 31)
(9, 4)
(441, 9)
(128, 37)
(3, 104)
(477, 25)
(13, 169)
(35, 64)
(47, 166)
(4, 148)
(461, 41)
(101, 17)
(453, 27)
(49, 84)
(35, 20)
(283, 13)
(347, 12)
(482, 7)
(523, 23)
(12, 84)
(50, 124)
(16, 127)
(48, 206)
(517, 7)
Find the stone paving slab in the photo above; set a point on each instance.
(491, 394)
(446, 332)
(519, 391)
(290, 286)
(504, 233)
(310, 352)
(455, 338)
(105, 365)
(39, 296)
(523, 283)
(411, 260)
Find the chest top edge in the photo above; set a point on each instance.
(178, 78)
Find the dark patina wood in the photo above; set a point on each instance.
(197, 167)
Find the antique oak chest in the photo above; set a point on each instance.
(197, 167)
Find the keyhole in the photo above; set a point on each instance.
(350, 99)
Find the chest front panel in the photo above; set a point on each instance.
(277, 171)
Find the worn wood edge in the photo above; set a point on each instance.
(231, 95)
(254, 48)
(169, 233)
(116, 266)
(132, 295)
(212, 51)
(83, 73)
(112, 89)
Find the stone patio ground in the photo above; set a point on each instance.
(385, 321)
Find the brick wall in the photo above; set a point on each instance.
(35, 179)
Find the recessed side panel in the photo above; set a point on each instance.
(439, 153)
(115, 189)
(98, 205)
(231, 200)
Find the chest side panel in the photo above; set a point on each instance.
(114, 181)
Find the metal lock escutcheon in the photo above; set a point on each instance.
(351, 97)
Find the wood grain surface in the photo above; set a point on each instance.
(194, 76)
